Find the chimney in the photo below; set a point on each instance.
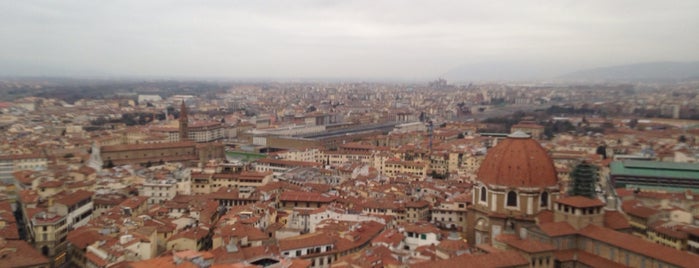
(611, 202)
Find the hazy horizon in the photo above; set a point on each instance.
(371, 40)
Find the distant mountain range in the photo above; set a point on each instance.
(649, 71)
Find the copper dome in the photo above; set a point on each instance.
(518, 161)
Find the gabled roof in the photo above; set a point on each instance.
(638, 245)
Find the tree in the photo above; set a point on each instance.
(583, 180)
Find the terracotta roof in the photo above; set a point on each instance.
(74, 198)
(390, 237)
(93, 258)
(305, 241)
(640, 246)
(453, 245)
(544, 216)
(134, 201)
(195, 233)
(585, 258)
(507, 258)
(518, 162)
(670, 229)
(20, 254)
(380, 255)
(554, 229)
(580, 201)
(10, 231)
(525, 245)
(615, 220)
(423, 228)
(636, 208)
(84, 236)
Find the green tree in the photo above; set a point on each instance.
(583, 180)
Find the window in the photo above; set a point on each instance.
(483, 194)
(544, 199)
(511, 199)
(423, 236)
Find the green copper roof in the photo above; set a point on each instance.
(654, 169)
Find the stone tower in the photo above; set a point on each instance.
(95, 160)
(184, 123)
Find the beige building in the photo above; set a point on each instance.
(158, 191)
(48, 232)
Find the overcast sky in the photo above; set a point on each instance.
(337, 39)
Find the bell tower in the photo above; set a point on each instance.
(184, 123)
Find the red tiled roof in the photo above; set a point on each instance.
(10, 231)
(525, 245)
(636, 208)
(585, 258)
(390, 237)
(84, 236)
(74, 198)
(507, 258)
(640, 246)
(423, 228)
(545, 216)
(554, 229)
(305, 241)
(518, 162)
(580, 201)
(615, 220)
(23, 255)
(134, 201)
(93, 258)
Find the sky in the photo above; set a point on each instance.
(297, 39)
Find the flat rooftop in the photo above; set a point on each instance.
(637, 168)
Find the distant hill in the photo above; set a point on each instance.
(649, 71)
(506, 70)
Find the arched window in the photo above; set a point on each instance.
(544, 199)
(511, 199)
(483, 194)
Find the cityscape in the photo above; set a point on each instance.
(307, 153)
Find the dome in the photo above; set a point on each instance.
(518, 161)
